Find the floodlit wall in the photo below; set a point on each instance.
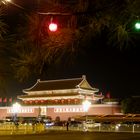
(64, 112)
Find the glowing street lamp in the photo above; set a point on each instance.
(137, 25)
(11, 2)
(53, 27)
(5, 1)
(8, 0)
(16, 106)
(86, 106)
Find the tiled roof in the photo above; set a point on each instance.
(55, 85)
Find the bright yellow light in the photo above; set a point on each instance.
(86, 105)
(11, 2)
(5, 1)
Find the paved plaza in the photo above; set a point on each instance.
(74, 136)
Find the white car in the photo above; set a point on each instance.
(49, 124)
(91, 124)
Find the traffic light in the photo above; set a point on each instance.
(53, 27)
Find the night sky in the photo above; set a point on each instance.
(106, 68)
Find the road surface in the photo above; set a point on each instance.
(74, 136)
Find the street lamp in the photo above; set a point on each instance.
(86, 106)
(16, 106)
(53, 27)
(137, 25)
(11, 2)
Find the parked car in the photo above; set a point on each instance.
(60, 123)
(91, 124)
(75, 124)
(49, 124)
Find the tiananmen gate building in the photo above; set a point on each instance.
(61, 98)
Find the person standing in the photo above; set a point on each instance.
(67, 125)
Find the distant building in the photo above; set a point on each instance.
(61, 98)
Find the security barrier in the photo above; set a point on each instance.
(6, 129)
(11, 128)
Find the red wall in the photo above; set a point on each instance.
(94, 110)
(99, 109)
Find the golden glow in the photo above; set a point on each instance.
(5, 1)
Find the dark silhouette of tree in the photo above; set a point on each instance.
(82, 24)
(131, 105)
(3, 70)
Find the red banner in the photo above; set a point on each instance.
(5, 100)
(10, 100)
(0, 100)
(108, 95)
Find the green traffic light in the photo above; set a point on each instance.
(137, 25)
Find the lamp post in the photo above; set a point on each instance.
(16, 106)
(86, 106)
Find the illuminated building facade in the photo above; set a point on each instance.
(62, 98)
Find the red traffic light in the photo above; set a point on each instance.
(53, 27)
